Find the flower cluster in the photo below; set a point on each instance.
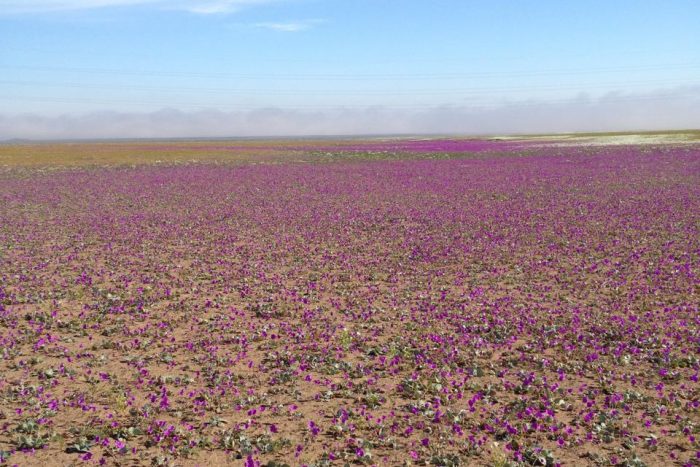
(528, 307)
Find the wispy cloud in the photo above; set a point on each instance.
(217, 6)
(289, 26)
(193, 6)
(665, 109)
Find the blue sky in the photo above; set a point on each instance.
(314, 59)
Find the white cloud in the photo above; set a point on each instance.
(283, 27)
(35, 6)
(666, 109)
(193, 6)
(289, 26)
(215, 6)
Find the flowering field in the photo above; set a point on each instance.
(521, 306)
(83, 154)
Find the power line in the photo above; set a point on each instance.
(359, 77)
(384, 60)
(350, 92)
(445, 106)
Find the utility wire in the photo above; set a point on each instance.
(359, 77)
(350, 92)
(339, 107)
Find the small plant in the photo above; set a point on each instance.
(445, 460)
(633, 461)
(28, 427)
(372, 400)
(31, 441)
(539, 456)
(499, 457)
(127, 432)
(82, 446)
(216, 421)
(345, 339)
